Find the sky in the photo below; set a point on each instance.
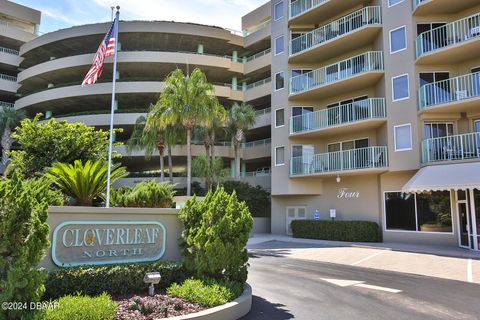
(59, 14)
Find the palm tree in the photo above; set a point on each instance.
(187, 100)
(148, 139)
(209, 133)
(9, 119)
(210, 169)
(173, 136)
(240, 118)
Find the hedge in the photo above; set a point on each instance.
(353, 231)
(76, 307)
(117, 279)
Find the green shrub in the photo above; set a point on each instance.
(113, 279)
(85, 183)
(145, 195)
(257, 198)
(23, 240)
(197, 190)
(354, 231)
(215, 236)
(76, 307)
(209, 293)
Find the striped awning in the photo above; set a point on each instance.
(458, 176)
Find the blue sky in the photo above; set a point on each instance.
(58, 14)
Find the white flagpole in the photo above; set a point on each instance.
(110, 146)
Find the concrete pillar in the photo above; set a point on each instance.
(235, 56)
(244, 86)
(115, 105)
(232, 168)
(244, 59)
(119, 46)
(50, 85)
(117, 77)
(243, 168)
(36, 30)
(234, 83)
(48, 114)
(200, 49)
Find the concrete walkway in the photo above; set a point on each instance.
(434, 261)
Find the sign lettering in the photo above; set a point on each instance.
(343, 193)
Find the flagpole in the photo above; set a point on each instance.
(112, 111)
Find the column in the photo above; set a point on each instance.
(119, 46)
(48, 114)
(115, 105)
(117, 76)
(200, 49)
(234, 83)
(50, 85)
(243, 168)
(235, 56)
(244, 86)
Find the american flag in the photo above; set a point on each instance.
(106, 49)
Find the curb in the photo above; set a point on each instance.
(229, 311)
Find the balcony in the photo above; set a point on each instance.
(359, 115)
(454, 42)
(434, 7)
(451, 148)
(9, 51)
(8, 83)
(459, 94)
(369, 159)
(4, 104)
(355, 30)
(348, 75)
(258, 89)
(303, 12)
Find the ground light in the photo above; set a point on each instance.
(152, 278)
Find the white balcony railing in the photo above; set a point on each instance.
(373, 108)
(337, 28)
(259, 83)
(355, 159)
(365, 62)
(457, 147)
(262, 112)
(7, 77)
(256, 143)
(258, 55)
(256, 28)
(9, 51)
(298, 7)
(450, 90)
(448, 35)
(416, 3)
(6, 104)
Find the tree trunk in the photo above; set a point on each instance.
(161, 152)
(189, 161)
(6, 142)
(212, 146)
(237, 140)
(170, 164)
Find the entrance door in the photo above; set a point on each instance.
(468, 218)
(464, 224)
(295, 213)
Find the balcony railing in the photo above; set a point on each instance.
(262, 112)
(458, 147)
(337, 28)
(259, 55)
(373, 108)
(248, 32)
(450, 90)
(259, 83)
(448, 35)
(298, 7)
(355, 159)
(365, 62)
(7, 77)
(257, 143)
(9, 51)
(6, 104)
(416, 3)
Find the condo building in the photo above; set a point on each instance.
(366, 110)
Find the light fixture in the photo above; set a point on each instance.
(151, 279)
(338, 179)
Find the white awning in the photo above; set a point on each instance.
(458, 176)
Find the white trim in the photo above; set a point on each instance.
(351, 140)
(390, 39)
(393, 5)
(338, 103)
(408, 87)
(274, 7)
(416, 217)
(275, 81)
(275, 118)
(275, 45)
(395, 137)
(275, 156)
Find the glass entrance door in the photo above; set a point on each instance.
(463, 224)
(468, 210)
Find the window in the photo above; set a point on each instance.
(398, 39)
(437, 130)
(392, 3)
(279, 118)
(400, 88)
(279, 81)
(279, 45)
(439, 90)
(278, 11)
(279, 156)
(403, 137)
(422, 212)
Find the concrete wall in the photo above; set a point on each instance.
(167, 217)
(261, 225)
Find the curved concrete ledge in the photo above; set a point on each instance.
(230, 311)
(134, 26)
(132, 57)
(106, 89)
